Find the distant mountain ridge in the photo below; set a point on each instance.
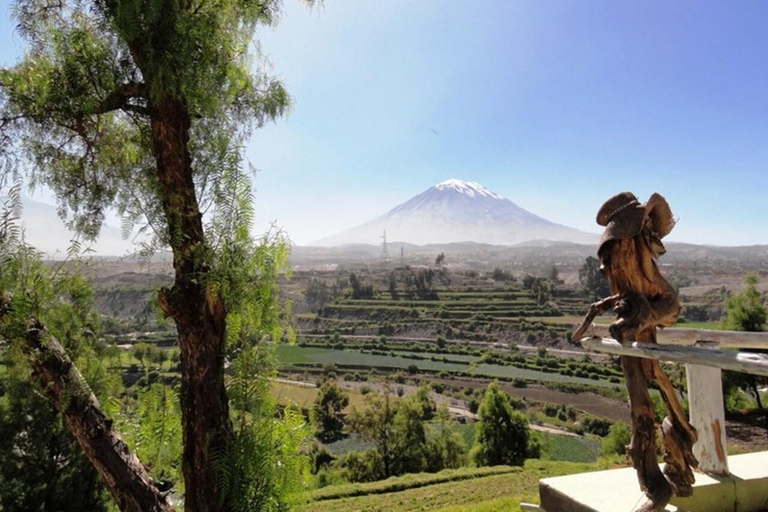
(458, 211)
(44, 230)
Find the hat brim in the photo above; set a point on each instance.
(625, 225)
(660, 215)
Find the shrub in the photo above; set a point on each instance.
(617, 439)
(598, 426)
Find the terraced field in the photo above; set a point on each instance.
(354, 359)
(472, 308)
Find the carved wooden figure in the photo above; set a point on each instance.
(643, 301)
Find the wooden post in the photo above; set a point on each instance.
(707, 415)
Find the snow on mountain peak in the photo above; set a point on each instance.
(468, 188)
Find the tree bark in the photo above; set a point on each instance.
(197, 310)
(126, 478)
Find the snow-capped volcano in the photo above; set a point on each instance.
(458, 211)
(469, 188)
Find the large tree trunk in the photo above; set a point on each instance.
(125, 476)
(197, 310)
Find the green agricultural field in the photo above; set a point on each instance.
(568, 448)
(460, 358)
(304, 396)
(425, 492)
(296, 355)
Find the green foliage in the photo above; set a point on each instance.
(617, 440)
(360, 289)
(41, 465)
(153, 430)
(402, 442)
(105, 93)
(263, 468)
(318, 293)
(319, 457)
(593, 282)
(745, 311)
(500, 274)
(88, 137)
(424, 402)
(327, 411)
(602, 426)
(445, 447)
(502, 433)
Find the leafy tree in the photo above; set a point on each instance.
(423, 283)
(745, 311)
(592, 280)
(500, 274)
(41, 465)
(360, 289)
(397, 431)
(411, 438)
(143, 107)
(319, 457)
(617, 440)
(327, 411)
(553, 275)
(318, 293)
(424, 402)
(160, 357)
(154, 429)
(540, 287)
(392, 284)
(377, 424)
(502, 433)
(445, 448)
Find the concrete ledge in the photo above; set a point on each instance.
(746, 490)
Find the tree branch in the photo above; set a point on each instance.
(118, 99)
(122, 472)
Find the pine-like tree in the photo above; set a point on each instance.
(502, 433)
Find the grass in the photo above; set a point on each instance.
(568, 448)
(304, 397)
(401, 483)
(499, 505)
(479, 493)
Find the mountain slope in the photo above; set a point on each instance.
(44, 230)
(458, 211)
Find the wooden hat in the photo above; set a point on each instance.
(624, 217)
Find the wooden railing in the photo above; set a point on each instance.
(700, 351)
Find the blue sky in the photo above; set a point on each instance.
(555, 105)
